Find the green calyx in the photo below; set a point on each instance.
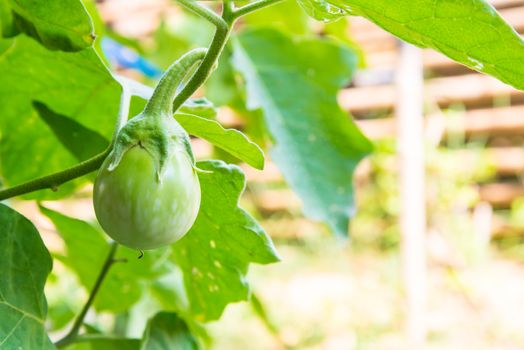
(160, 137)
(155, 129)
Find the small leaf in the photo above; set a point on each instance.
(25, 264)
(317, 145)
(56, 24)
(166, 331)
(86, 250)
(230, 140)
(199, 106)
(215, 253)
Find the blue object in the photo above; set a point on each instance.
(124, 57)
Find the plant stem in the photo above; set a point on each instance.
(254, 6)
(223, 28)
(54, 180)
(228, 6)
(205, 13)
(73, 333)
(164, 93)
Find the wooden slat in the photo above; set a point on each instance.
(499, 121)
(500, 195)
(273, 200)
(506, 3)
(469, 88)
(505, 121)
(507, 160)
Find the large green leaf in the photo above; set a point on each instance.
(86, 250)
(470, 32)
(317, 146)
(57, 24)
(71, 134)
(73, 85)
(215, 253)
(230, 140)
(166, 331)
(25, 264)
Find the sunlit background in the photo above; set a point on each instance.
(467, 290)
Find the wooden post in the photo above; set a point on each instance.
(410, 132)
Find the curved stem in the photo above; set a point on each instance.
(222, 32)
(204, 12)
(209, 61)
(228, 6)
(254, 6)
(52, 181)
(73, 333)
(164, 94)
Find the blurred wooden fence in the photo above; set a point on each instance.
(491, 109)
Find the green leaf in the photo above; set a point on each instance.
(230, 140)
(86, 250)
(317, 146)
(470, 32)
(199, 106)
(166, 331)
(215, 253)
(25, 264)
(105, 343)
(76, 85)
(57, 24)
